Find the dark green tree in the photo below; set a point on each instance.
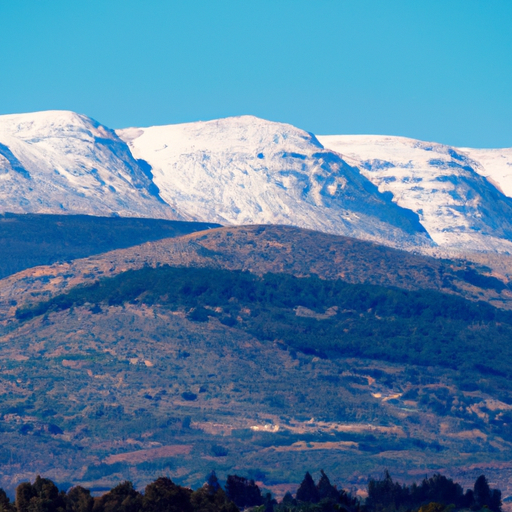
(326, 491)
(386, 494)
(79, 499)
(24, 493)
(484, 496)
(213, 482)
(243, 492)
(122, 498)
(307, 490)
(269, 502)
(206, 499)
(495, 503)
(288, 500)
(163, 495)
(41, 496)
(5, 502)
(481, 492)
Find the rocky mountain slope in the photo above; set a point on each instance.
(459, 194)
(263, 249)
(149, 379)
(62, 162)
(247, 170)
(400, 192)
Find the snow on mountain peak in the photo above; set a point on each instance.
(60, 161)
(458, 206)
(243, 170)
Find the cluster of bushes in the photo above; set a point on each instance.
(435, 494)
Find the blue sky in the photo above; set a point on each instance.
(435, 70)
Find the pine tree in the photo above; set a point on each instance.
(481, 492)
(325, 489)
(307, 490)
(212, 483)
(243, 492)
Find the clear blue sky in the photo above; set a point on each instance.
(430, 69)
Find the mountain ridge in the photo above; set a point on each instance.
(401, 192)
(263, 249)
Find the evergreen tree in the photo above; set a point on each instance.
(437, 489)
(269, 503)
(288, 500)
(325, 489)
(481, 492)
(163, 495)
(243, 492)
(495, 503)
(307, 490)
(385, 493)
(212, 482)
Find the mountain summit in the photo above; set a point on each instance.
(458, 199)
(62, 162)
(243, 170)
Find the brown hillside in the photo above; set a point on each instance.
(259, 249)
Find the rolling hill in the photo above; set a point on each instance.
(187, 355)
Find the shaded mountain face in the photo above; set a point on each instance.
(248, 170)
(30, 240)
(461, 195)
(62, 162)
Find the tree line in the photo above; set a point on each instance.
(422, 327)
(435, 494)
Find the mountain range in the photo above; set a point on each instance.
(404, 193)
(245, 296)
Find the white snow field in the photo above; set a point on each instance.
(62, 162)
(245, 170)
(397, 191)
(447, 187)
(495, 165)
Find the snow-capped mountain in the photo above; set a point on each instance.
(495, 165)
(457, 193)
(246, 170)
(62, 162)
